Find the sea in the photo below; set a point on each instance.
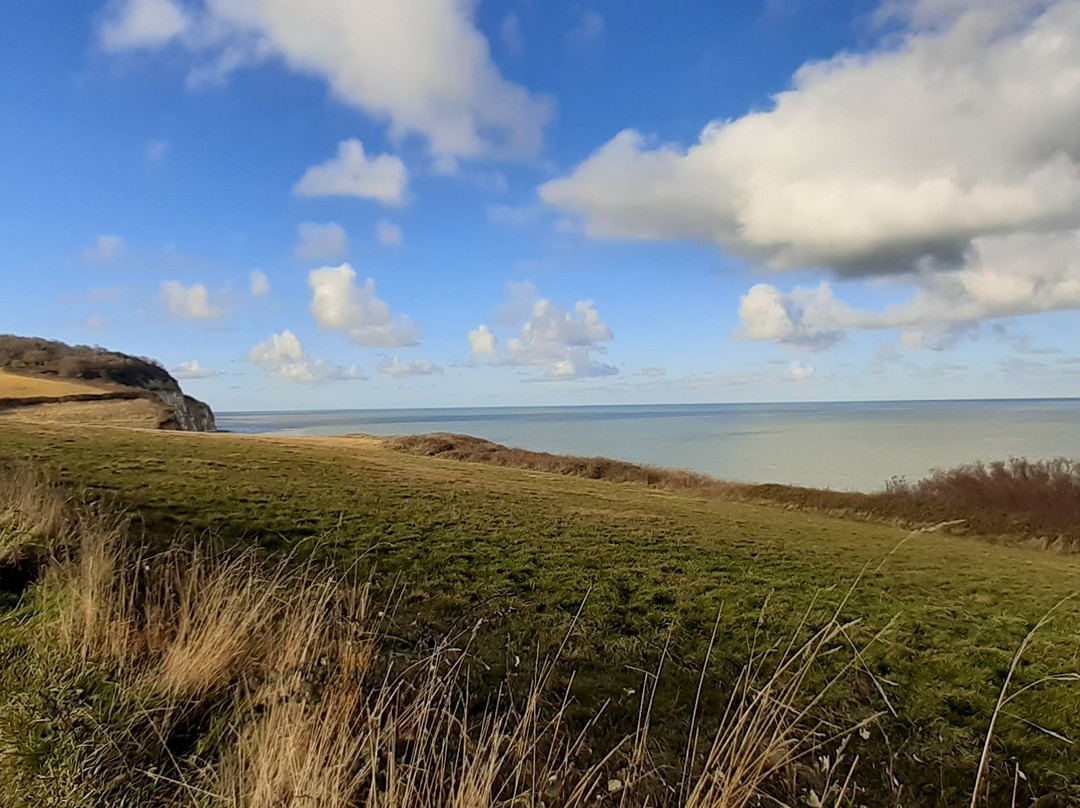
(852, 446)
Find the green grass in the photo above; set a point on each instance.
(522, 550)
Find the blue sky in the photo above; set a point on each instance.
(357, 203)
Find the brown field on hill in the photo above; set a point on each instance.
(142, 413)
(13, 385)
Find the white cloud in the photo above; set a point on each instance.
(104, 250)
(352, 173)
(1003, 276)
(188, 302)
(392, 366)
(589, 28)
(97, 322)
(258, 283)
(388, 233)
(510, 35)
(339, 304)
(801, 371)
(192, 370)
(966, 127)
(481, 342)
(154, 150)
(521, 297)
(141, 24)
(283, 356)
(803, 318)
(562, 343)
(318, 242)
(421, 65)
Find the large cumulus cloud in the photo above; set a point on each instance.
(871, 163)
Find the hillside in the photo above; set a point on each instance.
(46, 380)
(923, 629)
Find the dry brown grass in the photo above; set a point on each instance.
(35, 519)
(136, 412)
(13, 385)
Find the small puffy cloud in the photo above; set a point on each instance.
(154, 150)
(104, 250)
(481, 343)
(388, 233)
(283, 357)
(801, 371)
(392, 366)
(141, 24)
(563, 343)
(318, 242)
(340, 304)
(589, 28)
(421, 65)
(352, 173)
(188, 302)
(797, 319)
(258, 283)
(97, 322)
(899, 159)
(192, 370)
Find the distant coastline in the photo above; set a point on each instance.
(856, 446)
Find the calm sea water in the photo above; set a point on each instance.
(852, 446)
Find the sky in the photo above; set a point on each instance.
(429, 203)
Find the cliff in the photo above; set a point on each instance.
(105, 375)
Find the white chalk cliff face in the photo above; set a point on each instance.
(188, 414)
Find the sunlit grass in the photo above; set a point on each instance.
(515, 553)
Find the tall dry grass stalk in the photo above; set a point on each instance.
(35, 516)
(405, 739)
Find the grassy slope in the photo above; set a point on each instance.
(13, 385)
(522, 549)
(137, 412)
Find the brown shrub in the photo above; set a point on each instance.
(478, 450)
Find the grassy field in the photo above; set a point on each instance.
(16, 386)
(506, 558)
(128, 412)
(139, 412)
